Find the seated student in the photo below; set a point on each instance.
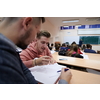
(83, 47)
(57, 47)
(19, 31)
(63, 50)
(73, 52)
(38, 49)
(63, 47)
(89, 49)
(73, 43)
(79, 51)
(50, 47)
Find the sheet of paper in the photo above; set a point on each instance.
(46, 74)
(83, 52)
(52, 51)
(19, 49)
(85, 56)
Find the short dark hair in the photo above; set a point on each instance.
(63, 44)
(10, 19)
(52, 44)
(36, 19)
(42, 18)
(73, 43)
(88, 46)
(43, 33)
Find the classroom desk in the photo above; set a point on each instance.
(93, 56)
(85, 63)
(79, 77)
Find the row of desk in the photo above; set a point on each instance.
(79, 77)
(92, 63)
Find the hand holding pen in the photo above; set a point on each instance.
(64, 70)
(66, 75)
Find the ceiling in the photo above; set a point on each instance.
(57, 21)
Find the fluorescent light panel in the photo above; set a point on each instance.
(78, 25)
(65, 26)
(70, 21)
(93, 19)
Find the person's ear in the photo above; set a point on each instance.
(27, 21)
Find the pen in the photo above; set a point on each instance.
(60, 70)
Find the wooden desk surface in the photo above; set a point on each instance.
(85, 63)
(93, 56)
(79, 77)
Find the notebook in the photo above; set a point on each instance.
(46, 74)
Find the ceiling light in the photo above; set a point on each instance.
(65, 26)
(93, 19)
(69, 21)
(78, 25)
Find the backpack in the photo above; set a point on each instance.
(62, 52)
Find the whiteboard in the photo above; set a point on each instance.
(57, 38)
(89, 31)
(71, 39)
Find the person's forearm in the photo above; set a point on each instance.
(61, 81)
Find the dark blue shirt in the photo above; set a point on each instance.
(89, 51)
(64, 48)
(12, 70)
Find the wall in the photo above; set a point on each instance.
(73, 32)
(58, 35)
(52, 29)
(96, 47)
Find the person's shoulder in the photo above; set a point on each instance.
(6, 44)
(31, 47)
(93, 51)
(62, 47)
(85, 49)
(32, 44)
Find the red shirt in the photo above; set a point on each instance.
(30, 53)
(78, 51)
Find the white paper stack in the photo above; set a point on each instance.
(46, 74)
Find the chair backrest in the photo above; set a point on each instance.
(76, 55)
